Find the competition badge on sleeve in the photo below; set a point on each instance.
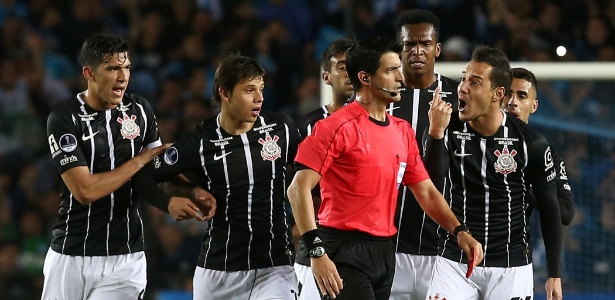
(130, 129)
(271, 151)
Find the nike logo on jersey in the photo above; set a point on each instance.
(460, 154)
(391, 109)
(218, 157)
(87, 137)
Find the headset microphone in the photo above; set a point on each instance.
(393, 94)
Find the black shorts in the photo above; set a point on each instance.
(366, 263)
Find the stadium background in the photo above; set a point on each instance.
(175, 46)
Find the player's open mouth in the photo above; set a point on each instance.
(256, 112)
(462, 105)
(417, 63)
(118, 91)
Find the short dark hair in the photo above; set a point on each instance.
(523, 73)
(417, 16)
(235, 69)
(501, 74)
(336, 48)
(101, 47)
(364, 55)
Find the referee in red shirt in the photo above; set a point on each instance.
(361, 155)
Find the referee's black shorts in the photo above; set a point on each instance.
(366, 263)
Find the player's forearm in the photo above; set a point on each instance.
(551, 226)
(146, 189)
(435, 159)
(566, 205)
(300, 200)
(87, 188)
(438, 210)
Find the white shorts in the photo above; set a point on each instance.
(121, 277)
(412, 276)
(309, 290)
(492, 283)
(268, 283)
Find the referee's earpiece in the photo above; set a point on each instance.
(366, 79)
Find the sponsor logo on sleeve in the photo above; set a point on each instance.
(53, 146)
(548, 159)
(68, 142)
(551, 176)
(562, 171)
(67, 160)
(157, 162)
(171, 156)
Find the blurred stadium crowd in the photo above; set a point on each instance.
(175, 47)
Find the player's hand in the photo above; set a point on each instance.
(148, 154)
(471, 247)
(439, 115)
(553, 287)
(182, 208)
(327, 278)
(205, 201)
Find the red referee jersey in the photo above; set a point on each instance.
(362, 163)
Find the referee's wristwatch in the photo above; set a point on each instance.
(459, 229)
(317, 252)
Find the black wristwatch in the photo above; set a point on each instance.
(316, 252)
(459, 229)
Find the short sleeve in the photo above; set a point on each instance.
(64, 141)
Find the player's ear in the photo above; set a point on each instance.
(326, 77)
(499, 94)
(438, 49)
(88, 73)
(534, 106)
(224, 95)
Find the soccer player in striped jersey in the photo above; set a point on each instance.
(522, 103)
(492, 159)
(97, 142)
(361, 155)
(417, 238)
(334, 73)
(241, 156)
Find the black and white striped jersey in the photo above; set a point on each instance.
(306, 125)
(490, 180)
(100, 140)
(307, 122)
(417, 233)
(246, 175)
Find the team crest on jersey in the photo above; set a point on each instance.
(271, 151)
(506, 163)
(130, 129)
